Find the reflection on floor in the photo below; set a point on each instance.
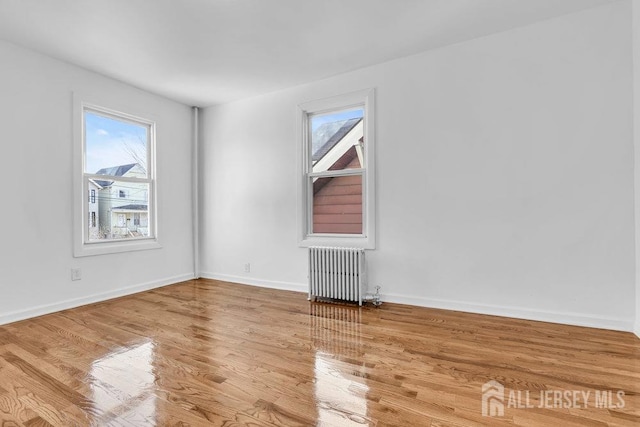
(335, 334)
(123, 385)
(206, 353)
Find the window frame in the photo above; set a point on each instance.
(82, 245)
(367, 240)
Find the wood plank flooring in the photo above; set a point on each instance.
(212, 353)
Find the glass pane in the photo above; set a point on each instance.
(337, 140)
(115, 147)
(120, 210)
(337, 205)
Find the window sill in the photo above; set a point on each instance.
(344, 241)
(103, 248)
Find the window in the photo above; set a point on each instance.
(336, 187)
(114, 155)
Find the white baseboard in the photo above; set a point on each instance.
(273, 284)
(576, 319)
(565, 318)
(15, 316)
(637, 328)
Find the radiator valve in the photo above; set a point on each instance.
(374, 298)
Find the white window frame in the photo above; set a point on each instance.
(306, 238)
(82, 246)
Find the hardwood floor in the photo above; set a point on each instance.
(212, 353)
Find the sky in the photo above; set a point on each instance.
(317, 120)
(110, 142)
(319, 136)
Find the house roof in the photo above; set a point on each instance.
(103, 184)
(343, 162)
(97, 183)
(131, 208)
(116, 170)
(329, 134)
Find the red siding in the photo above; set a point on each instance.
(337, 203)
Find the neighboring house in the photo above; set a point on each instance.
(123, 206)
(337, 202)
(93, 210)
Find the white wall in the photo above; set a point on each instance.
(505, 175)
(636, 139)
(36, 252)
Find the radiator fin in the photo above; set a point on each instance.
(336, 273)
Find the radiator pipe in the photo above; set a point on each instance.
(374, 298)
(195, 180)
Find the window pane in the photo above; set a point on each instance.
(115, 147)
(113, 217)
(337, 205)
(337, 140)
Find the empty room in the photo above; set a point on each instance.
(329, 213)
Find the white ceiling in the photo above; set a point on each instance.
(205, 52)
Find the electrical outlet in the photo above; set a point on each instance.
(247, 268)
(76, 274)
